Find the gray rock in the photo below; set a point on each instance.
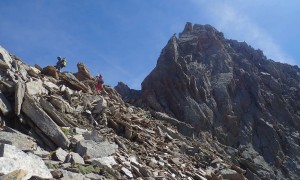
(16, 175)
(121, 144)
(12, 158)
(251, 175)
(76, 158)
(91, 149)
(60, 155)
(67, 175)
(108, 161)
(266, 140)
(171, 132)
(24, 72)
(183, 128)
(19, 95)
(56, 174)
(35, 69)
(80, 131)
(32, 109)
(93, 135)
(7, 86)
(51, 86)
(143, 170)
(136, 171)
(71, 81)
(76, 138)
(35, 88)
(127, 172)
(60, 104)
(18, 140)
(66, 165)
(5, 106)
(40, 137)
(5, 59)
(231, 174)
(93, 176)
(41, 153)
(53, 113)
(255, 163)
(101, 106)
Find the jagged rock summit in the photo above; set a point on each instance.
(232, 92)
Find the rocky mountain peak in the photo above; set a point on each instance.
(230, 90)
(198, 29)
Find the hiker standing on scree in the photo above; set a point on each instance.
(100, 82)
(61, 63)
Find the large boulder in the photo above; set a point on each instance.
(33, 110)
(101, 105)
(12, 158)
(53, 113)
(83, 73)
(35, 88)
(72, 82)
(17, 139)
(50, 71)
(91, 149)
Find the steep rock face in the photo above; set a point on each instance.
(229, 89)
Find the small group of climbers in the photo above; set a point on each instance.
(62, 62)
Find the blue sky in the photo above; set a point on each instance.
(122, 39)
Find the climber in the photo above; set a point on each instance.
(99, 83)
(61, 63)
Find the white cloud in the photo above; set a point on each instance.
(236, 24)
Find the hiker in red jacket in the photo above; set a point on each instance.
(99, 84)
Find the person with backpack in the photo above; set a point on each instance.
(61, 63)
(99, 83)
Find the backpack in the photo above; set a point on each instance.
(64, 62)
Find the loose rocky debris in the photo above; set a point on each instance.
(59, 129)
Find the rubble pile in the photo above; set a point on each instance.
(54, 127)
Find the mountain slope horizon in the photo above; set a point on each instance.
(239, 113)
